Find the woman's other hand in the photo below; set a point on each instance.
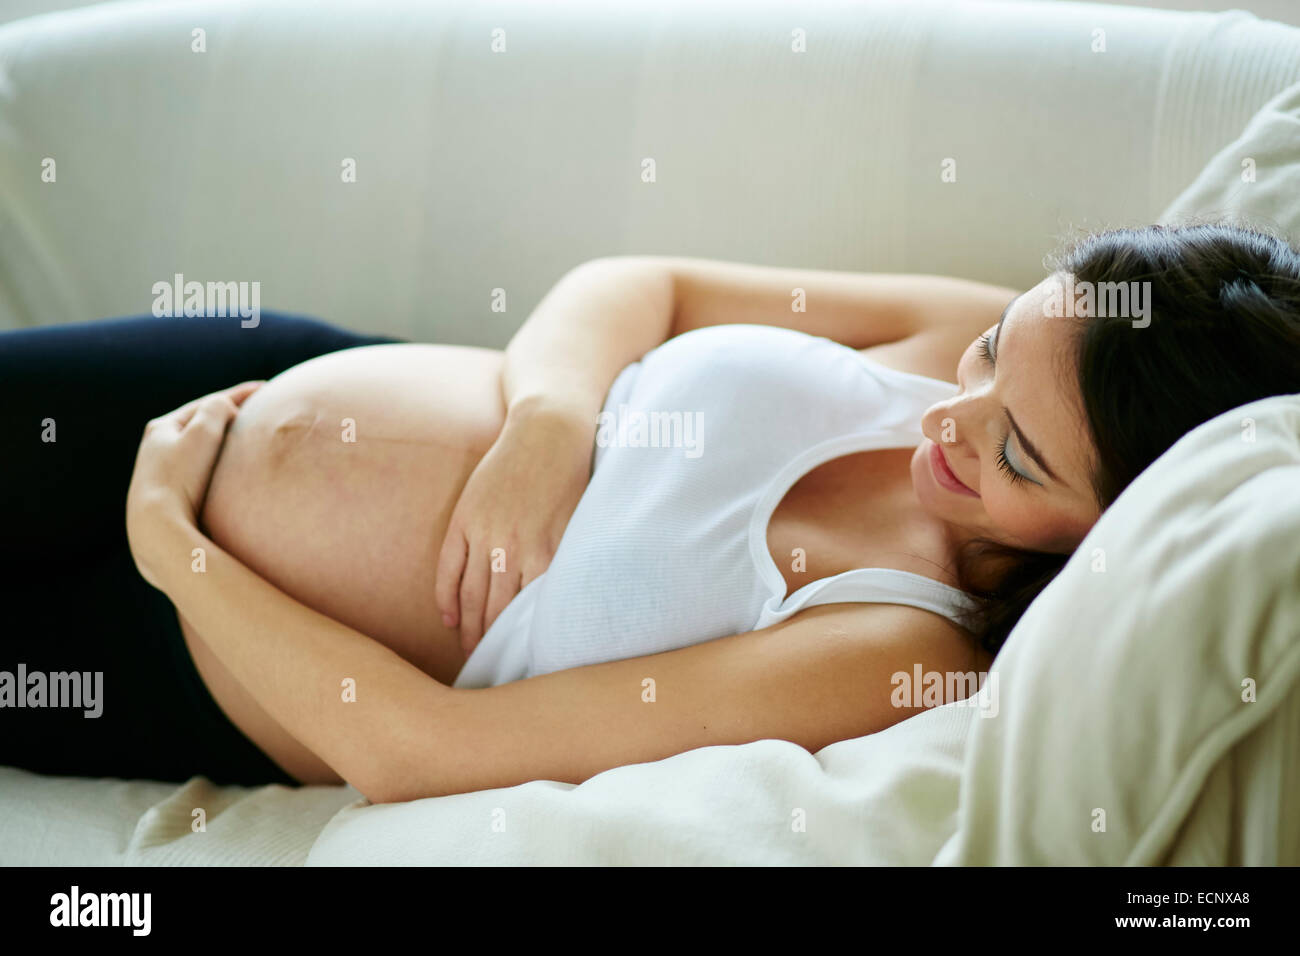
(511, 515)
(172, 471)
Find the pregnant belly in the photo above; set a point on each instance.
(336, 484)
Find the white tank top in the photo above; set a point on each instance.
(668, 544)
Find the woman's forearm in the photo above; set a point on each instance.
(356, 704)
(598, 318)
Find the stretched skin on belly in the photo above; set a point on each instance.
(351, 528)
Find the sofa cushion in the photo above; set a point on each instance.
(1149, 696)
(1256, 176)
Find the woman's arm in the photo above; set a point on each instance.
(344, 696)
(821, 677)
(396, 734)
(609, 312)
(514, 508)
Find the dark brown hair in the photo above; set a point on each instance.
(1224, 314)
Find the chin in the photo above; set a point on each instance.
(929, 494)
(937, 501)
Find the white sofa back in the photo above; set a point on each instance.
(479, 170)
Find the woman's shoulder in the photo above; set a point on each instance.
(911, 637)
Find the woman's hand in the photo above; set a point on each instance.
(519, 500)
(172, 470)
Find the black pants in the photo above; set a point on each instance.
(72, 600)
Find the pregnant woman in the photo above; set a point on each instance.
(674, 512)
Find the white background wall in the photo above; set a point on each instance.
(1286, 11)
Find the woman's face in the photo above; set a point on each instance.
(1015, 436)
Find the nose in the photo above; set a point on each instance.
(955, 423)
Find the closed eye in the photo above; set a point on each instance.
(1016, 476)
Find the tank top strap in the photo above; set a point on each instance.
(874, 586)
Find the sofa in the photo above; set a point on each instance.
(390, 167)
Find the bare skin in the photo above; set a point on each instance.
(352, 529)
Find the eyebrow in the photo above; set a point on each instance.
(1030, 450)
(1025, 443)
(997, 335)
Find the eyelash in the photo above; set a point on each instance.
(1004, 465)
(1014, 476)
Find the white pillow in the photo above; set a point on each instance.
(1121, 689)
(1256, 176)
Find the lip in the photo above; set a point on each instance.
(944, 475)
